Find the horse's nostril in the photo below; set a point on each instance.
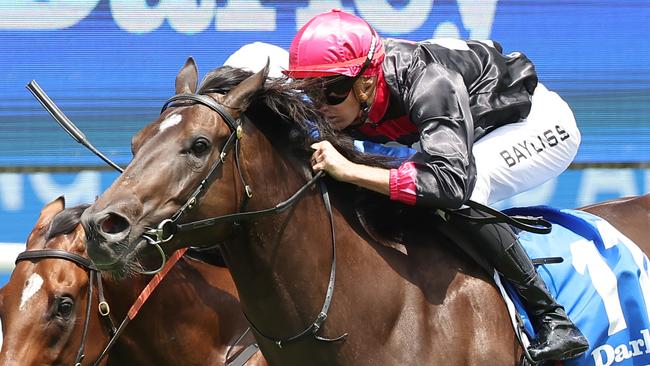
(114, 224)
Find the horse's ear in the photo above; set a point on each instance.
(51, 209)
(239, 97)
(187, 78)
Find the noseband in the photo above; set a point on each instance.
(93, 272)
(169, 227)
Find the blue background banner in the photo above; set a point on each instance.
(110, 64)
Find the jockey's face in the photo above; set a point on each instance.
(343, 114)
(342, 105)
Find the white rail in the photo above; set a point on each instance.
(8, 254)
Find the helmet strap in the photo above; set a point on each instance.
(364, 88)
(363, 113)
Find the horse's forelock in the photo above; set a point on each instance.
(65, 221)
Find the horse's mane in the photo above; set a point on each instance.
(65, 221)
(296, 119)
(288, 119)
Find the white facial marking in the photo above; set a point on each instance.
(171, 120)
(34, 283)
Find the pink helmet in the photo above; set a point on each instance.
(335, 43)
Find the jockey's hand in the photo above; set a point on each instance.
(328, 159)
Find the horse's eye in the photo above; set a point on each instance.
(200, 146)
(63, 307)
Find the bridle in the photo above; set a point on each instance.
(93, 273)
(104, 308)
(169, 227)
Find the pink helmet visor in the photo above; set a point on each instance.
(334, 43)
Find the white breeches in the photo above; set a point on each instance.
(519, 156)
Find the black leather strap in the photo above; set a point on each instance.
(56, 253)
(536, 225)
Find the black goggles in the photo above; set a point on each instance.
(333, 90)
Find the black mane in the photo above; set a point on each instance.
(65, 221)
(293, 117)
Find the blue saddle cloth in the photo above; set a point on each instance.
(603, 284)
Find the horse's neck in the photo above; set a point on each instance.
(278, 259)
(122, 293)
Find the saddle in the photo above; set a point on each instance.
(397, 226)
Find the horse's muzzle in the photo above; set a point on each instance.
(104, 231)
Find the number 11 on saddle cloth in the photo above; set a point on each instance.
(603, 284)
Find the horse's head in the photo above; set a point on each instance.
(44, 303)
(171, 158)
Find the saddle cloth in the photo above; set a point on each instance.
(603, 284)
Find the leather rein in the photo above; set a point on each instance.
(93, 273)
(169, 227)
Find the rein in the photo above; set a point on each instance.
(169, 227)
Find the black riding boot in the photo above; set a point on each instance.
(557, 337)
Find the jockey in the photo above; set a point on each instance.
(446, 95)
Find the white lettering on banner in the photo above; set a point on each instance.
(185, 16)
(191, 16)
(84, 189)
(11, 191)
(617, 182)
(246, 15)
(188, 16)
(38, 14)
(478, 17)
(446, 30)
(386, 18)
(316, 7)
(136, 16)
(607, 355)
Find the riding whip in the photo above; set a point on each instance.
(65, 122)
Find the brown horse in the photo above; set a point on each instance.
(191, 319)
(629, 215)
(292, 259)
